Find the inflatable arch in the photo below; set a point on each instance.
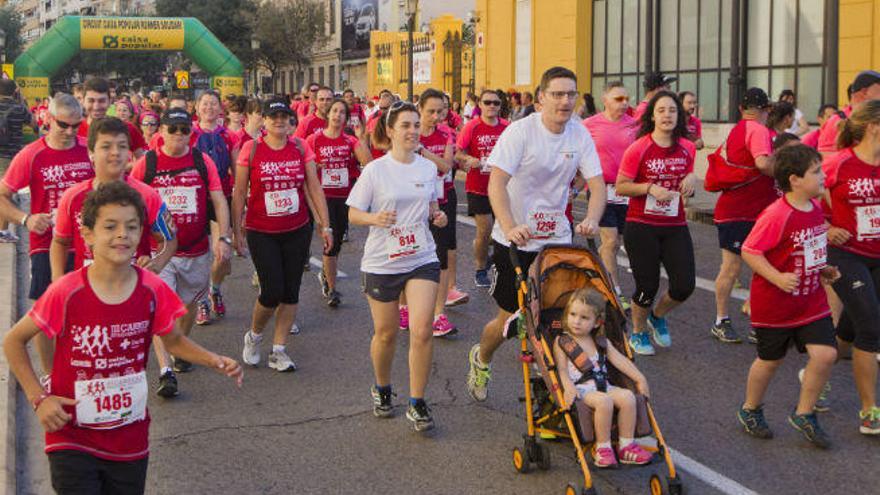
(71, 34)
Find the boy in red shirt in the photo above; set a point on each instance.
(787, 251)
(102, 318)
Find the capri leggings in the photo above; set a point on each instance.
(279, 260)
(859, 289)
(648, 246)
(444, 238)
(338, 211)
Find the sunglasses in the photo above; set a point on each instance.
(492, 103)
(621, 98)
(179, 128)
(64, 125)
(149, 124)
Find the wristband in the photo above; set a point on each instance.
(226, 239)
(39, 400)
(328, 230)
(24, 220)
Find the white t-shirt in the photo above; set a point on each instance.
(798, 115)
(408, 188)
(542, 165)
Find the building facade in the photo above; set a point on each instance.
(40, 15)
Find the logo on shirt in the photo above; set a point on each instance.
(91, 340)
(862, 187)
(54, 173)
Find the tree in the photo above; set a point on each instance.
(11, 23)
(288, 31)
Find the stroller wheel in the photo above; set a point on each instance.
(543, 460)
(658, 485)
(571, 489)
(521, 461)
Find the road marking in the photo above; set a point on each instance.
(315, 262)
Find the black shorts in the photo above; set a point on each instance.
(774, 342)
(859, 289)
(387, 287)
(478, 205)
(614, 217)
(338, 211)
(41, 273)
(279, 260)
(504, 289)
(75, 472)
(732, 235)
(445, 238)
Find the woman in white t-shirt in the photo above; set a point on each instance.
(396, 196)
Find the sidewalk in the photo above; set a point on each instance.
(8, 316)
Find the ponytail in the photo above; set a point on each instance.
(852, 130)
(380, 139)
(846, 135)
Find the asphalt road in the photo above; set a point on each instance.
(312, 431)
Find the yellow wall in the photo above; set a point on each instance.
(859, 41)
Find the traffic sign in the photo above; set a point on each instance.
(182, 77)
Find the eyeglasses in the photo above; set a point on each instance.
(149, 124)
(558, 95)
(492, 103)
(64, 125)
(620, 98)
(181, 128)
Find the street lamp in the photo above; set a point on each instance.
(473, 20)
(412, 7)
(255, 47)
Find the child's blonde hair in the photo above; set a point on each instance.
(591, 298)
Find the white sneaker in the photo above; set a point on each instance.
(279, 360)
(294, 330)
(251, 353)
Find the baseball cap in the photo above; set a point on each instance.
(657, 80)
(176, 116)
(865, 79)
(755, 98)
(276, 105)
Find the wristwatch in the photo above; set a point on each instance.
(328, 230)
(226, 239)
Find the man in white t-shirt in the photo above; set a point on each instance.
(533, 166)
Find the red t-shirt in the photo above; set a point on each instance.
(69, 218)
(694, 128)
(612, 139)
(453, 120)
(646, 161)
(828, 132)
(304, 109)
(477, 140)
(48, 173)
(436, 143)
(356, 117)
(855, 201)
(640, 109)
(748, 140)
(373, 120)
(793, 241)
(310, 125)
(449, 179)
(99, 345)
(337, 163)
(186, 197)
(276, 200)
(135, 138)
(811, 139)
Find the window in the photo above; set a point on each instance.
(331, 81)
(321, 76)
(618, 44)
(311, 75)
(523, 66)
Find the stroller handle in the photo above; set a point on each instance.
(514, 256)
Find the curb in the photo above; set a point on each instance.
(8, 317)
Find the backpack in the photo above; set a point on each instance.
(5, 136)
(152, 161)
(215, 146)
(725, 176)
(296, 141)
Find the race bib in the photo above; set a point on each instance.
(107, 403)
(448, 178)
(612, 197)
(868, 222)
(667, 208)
(334, 177)
(546, 224)
(180, 200)
(406, 240)
(485, 168)
(815, 253)
(281, 202)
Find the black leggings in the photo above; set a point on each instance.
(338, 211)
(279, 260)
(445, 238)
(648, 246)
(859, 289)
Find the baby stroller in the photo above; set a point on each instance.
(555, 274)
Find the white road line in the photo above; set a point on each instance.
(315, 262)
(694, 468)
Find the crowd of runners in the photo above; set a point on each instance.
(139, 202)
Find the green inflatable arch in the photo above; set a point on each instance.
(71, 34)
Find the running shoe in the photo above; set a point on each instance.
(625, 303)
(481, 279)
(203, 313)
(294, 329)
(870, 422)
(604, 458)
(420, 416)
(808, 424)
(280, 361)
(754, 423)
(641, 343)
(725, 333)
(660, 330)
(251, 352)
(334, 299)
(478, 375)
(167, 385)
(181, 365)
(442, 327)
(217, 306)
(753, 336)
(382, 407)
(325, 287)
(7, 236)
(456, 297)
(404, 318)
(634, 454)
(823, 404)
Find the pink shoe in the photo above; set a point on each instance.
(456, 297)
(442, 327)
(404, 318)
(634, 454)
(604, 458)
